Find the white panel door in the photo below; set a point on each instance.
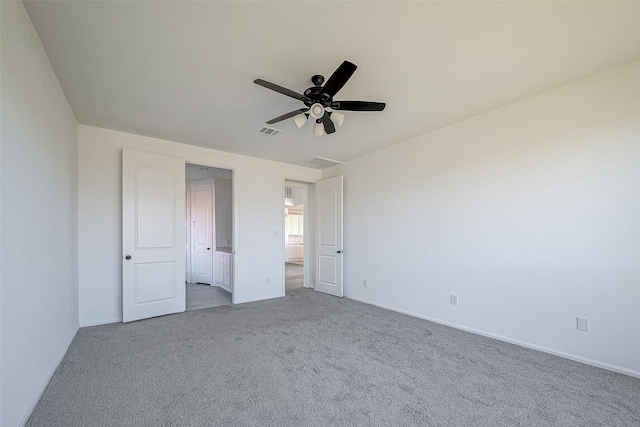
(202, 231)
(153, 235)
(329, 236)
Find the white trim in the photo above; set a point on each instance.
(101, 322)
(283, 237)
(187, 226)
(543, 349)
(235, 271)
(310, 239)
(46, 383)
(211, 164)
(309, 230)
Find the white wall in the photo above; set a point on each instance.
(39, 279)
(258, 186)
(224, 221)
(529, 213)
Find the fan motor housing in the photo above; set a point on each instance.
(316, 96)
(317, 80)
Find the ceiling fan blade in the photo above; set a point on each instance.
(339, 78)
(287, 116)
(358, 105)
(329, 127)
(280, 89)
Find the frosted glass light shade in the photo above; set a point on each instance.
(318, 129)
(300, 120)
(337, 118)
(316, 111)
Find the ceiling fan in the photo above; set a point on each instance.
(319, 101)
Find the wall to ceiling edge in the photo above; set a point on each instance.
(528, 213)
(39, 271)
(257, 206)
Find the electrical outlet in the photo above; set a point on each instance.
(454, 299)
(228, 242)
(268, 280)
(275, 233)
(582, 323)
(365, 283)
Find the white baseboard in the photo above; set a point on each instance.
(570, 356)
(100, 322)
(46, 383)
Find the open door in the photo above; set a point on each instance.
(153, 235)
(202, 231)
(329, 236)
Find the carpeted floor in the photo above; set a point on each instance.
(310, 359)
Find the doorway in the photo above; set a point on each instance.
(209, 248)
(295, 204)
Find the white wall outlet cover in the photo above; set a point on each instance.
(454, 300)
(365, 283)
(275, 233)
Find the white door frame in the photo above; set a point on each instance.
(309, 230)
(234, 212)
(187, 196)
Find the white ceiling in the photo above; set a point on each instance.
(184, 71)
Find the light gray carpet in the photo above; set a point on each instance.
(310, 359)
(294, 276)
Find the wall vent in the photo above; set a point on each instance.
(324, 162)
(288, 193)
(269, 131)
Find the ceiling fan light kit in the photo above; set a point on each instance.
(317, 111)
(337, 118)
(319, 101)
(318, 128)
(301, 119)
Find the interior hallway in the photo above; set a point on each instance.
(294, 276)
(205, 296)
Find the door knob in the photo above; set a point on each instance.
(339, 252)
(208, 249)
(127, 257)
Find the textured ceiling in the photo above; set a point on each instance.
(184, 71)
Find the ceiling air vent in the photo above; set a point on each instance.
(270, 131)
(324, 162)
